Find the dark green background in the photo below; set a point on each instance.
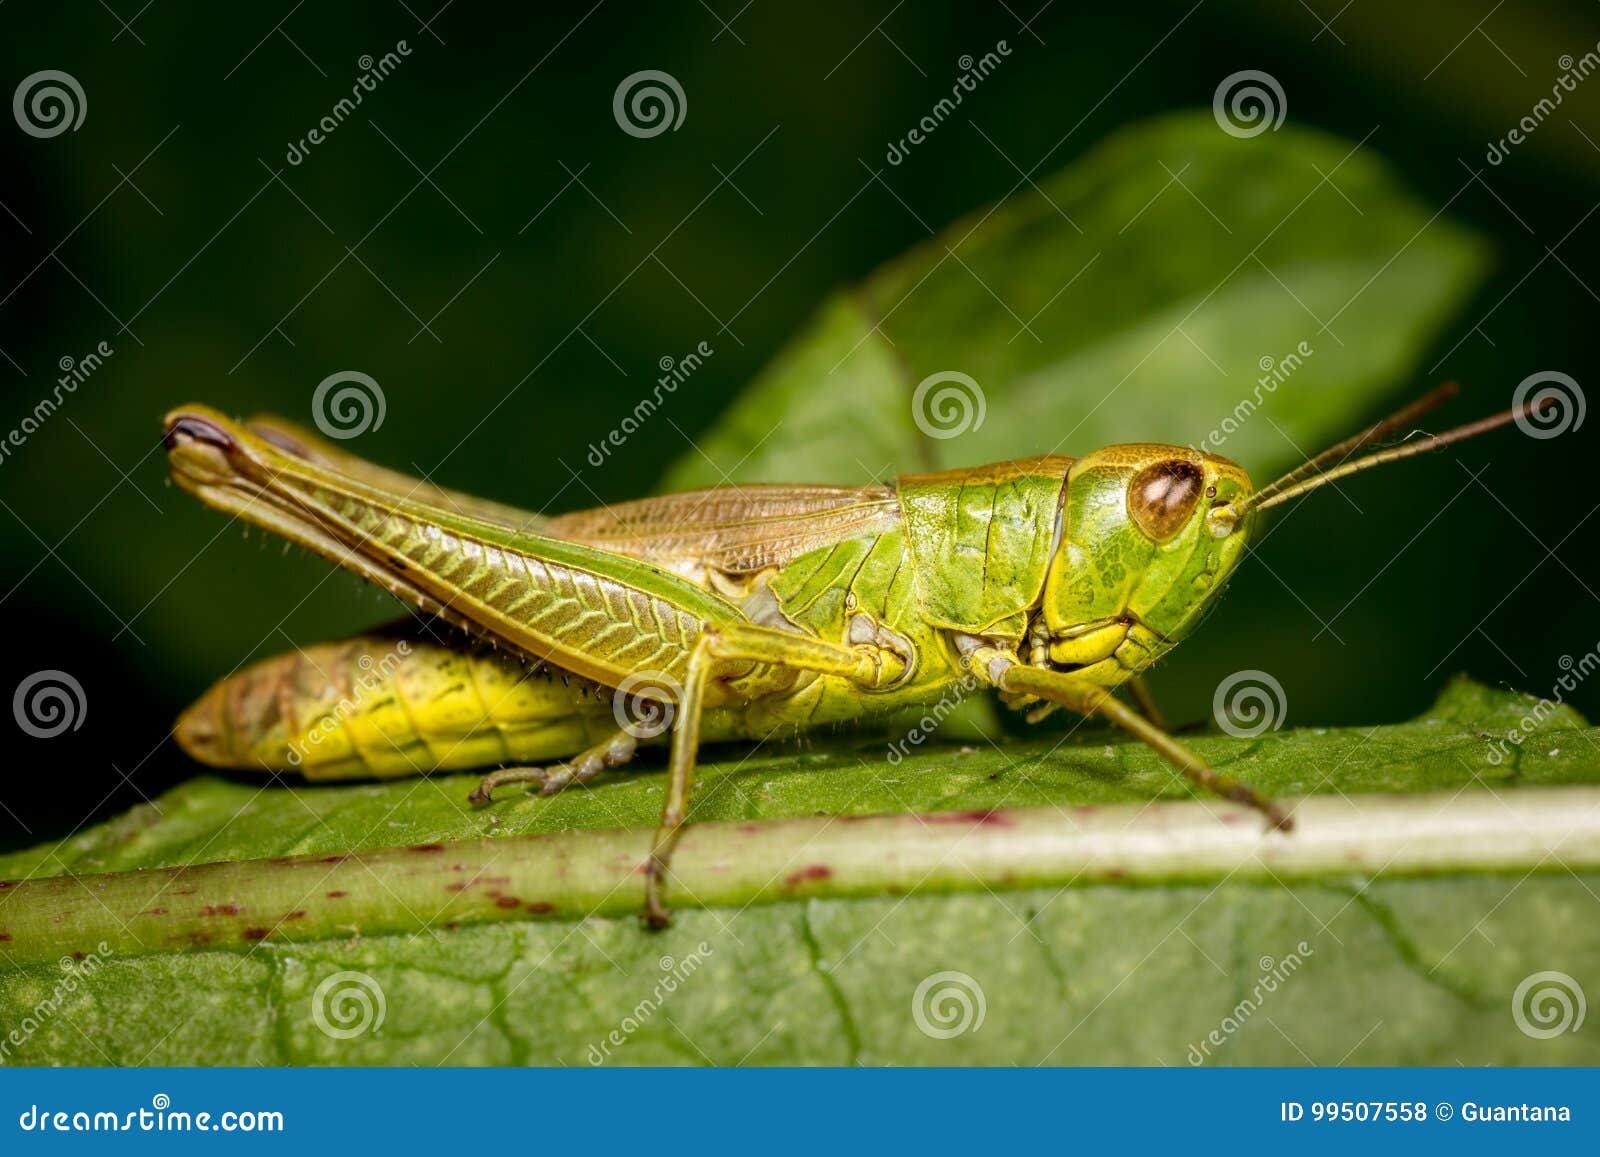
(214, 281)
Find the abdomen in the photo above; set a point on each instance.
(391, 704)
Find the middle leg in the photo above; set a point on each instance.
(611, 752)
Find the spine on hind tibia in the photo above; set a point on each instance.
(392, 705)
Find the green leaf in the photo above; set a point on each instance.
(1142, 294)
(1373, 970)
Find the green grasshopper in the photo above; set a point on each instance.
(733, 613)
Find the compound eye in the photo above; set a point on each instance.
(1162, 497)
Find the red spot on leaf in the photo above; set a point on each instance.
(810, 872)
(997, 818)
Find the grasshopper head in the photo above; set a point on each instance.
(1150, 534)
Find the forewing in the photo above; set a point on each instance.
(733, 529)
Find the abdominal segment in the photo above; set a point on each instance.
(393, 704)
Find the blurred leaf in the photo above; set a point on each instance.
(1141, 294)
(1391, 971)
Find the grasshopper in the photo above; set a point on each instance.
(733, 613)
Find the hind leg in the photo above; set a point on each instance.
(609, 753)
